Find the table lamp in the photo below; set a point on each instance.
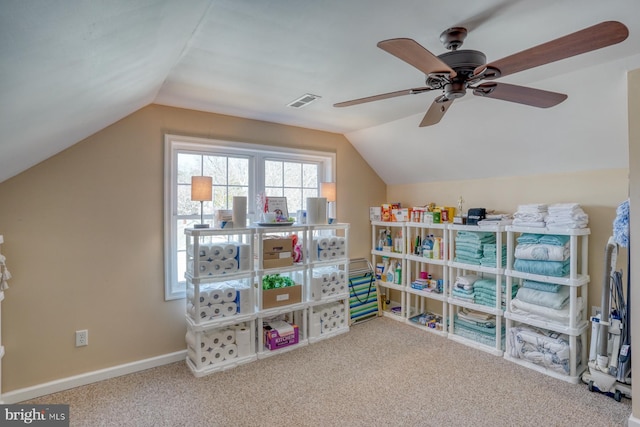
(201, 191)
(328, 190)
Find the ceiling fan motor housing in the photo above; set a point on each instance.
(463, 62)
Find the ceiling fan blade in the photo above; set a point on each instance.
(414, 54)
(592, 38)
(436, 112)
(413, 91)
(520, 94)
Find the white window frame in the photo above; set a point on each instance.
(174, 144)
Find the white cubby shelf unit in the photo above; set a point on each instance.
(226, 308)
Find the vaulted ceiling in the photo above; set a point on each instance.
(69, 68)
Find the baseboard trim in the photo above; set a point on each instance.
(62, 384)
(633, 421)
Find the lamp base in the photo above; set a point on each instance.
(201, 226)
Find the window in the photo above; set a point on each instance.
(238, 170)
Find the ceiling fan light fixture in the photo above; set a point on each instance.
(303, 101)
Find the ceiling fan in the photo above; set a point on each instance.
(456, 71)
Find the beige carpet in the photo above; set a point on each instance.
(381, 373)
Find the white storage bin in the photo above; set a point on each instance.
(216, 300)
(328, 319)
(220, 348)
(326, 282)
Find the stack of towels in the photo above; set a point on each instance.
(463, 287)
(545, 301)
(489, 255)
(468, 246)
(532, 215)
(566, 215)
(543, 254)
(471, 288)
(485, 292)
(558, 216)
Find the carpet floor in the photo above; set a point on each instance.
(381, 373)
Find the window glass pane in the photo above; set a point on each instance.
(188, 165)
(238, 171)
(273, 191)
(216, 167)
(292, 174)
(219, 197)
(272, 174)
(310, 175)
(185, 205)
(294, 199)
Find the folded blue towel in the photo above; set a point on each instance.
(544, 268)
(529, 238)
(541, 286)
(553, 239)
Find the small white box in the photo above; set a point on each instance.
(375, 213)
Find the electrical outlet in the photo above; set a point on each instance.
(82, 338)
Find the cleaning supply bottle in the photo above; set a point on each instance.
(398, 277)
(385, 268)
(397, 242)
(381, 240)
(436, 248)
(391, 272)
(427, 246)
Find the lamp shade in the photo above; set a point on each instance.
(201, 188)
(328, 191)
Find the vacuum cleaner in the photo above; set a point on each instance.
(610, 351)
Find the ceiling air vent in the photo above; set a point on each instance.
(305, 99)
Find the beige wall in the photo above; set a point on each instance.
(598, 192)
(84, 241)
(634, 192)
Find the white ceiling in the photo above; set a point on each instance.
(72, 67)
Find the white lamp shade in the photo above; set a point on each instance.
(328, 191)
(201, 188)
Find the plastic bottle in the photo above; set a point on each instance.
(427, 246)
(436, 248)
(381, 240)
(397, 242)
(398, 278)
(391, 273)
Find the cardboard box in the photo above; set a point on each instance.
(280, 334)
(277, 252)
(281, 296)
